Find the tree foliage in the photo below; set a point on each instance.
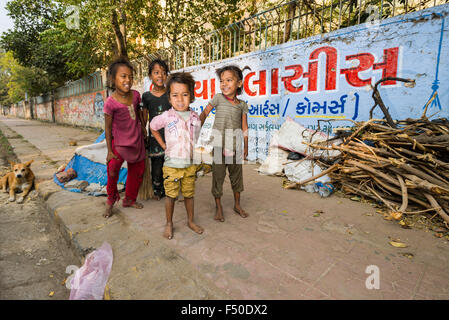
(46, 45)
(16, 80)
(182, 20)
(31, 18)
(113, 27)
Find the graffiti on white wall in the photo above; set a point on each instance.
(330, 77)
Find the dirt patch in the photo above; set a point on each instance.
(33, 254)
(6, 153)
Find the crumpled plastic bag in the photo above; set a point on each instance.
(293, 136)
(301, 170)
(274, 163)
(90, 280)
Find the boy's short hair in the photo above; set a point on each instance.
(112, 70)
(237, 72)
(160, 62)
(185, 78)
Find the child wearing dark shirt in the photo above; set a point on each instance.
(155, 102)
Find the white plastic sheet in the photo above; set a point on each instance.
(274, 163)
(295, 137)
(96, 152)
(299, 171)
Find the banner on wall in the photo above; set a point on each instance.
(330, 78)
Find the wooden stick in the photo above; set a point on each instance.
(377, 150)
(423, 116)
(381, 127)
(362, 155)
(416, 154)
(413, 141)
(357, 190)
(374, 171)
(437, 207)
(367, 123)
(399, 192)
(349, 169)
(425, 185)
(422, 175)
(420, 211)
(433, 174)
(404, 194)
(387, 203)
(422, 138)
(391, 149)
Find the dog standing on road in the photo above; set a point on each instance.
(20, 179)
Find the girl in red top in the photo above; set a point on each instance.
(124, 133)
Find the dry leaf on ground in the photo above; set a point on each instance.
(398, 244)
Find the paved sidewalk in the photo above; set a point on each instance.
(283, 250)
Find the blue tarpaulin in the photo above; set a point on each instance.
(90, 171)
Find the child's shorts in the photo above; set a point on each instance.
(176, 178)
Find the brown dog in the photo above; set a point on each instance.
(21, 178)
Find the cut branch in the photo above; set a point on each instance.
(437, 207)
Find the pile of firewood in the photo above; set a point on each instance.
(407, 168)
(402, 164)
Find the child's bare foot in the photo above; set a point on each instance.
(136, 205)
(219, 214)
(240, 212)
(168, 233)
(108, 211)
(195, 227)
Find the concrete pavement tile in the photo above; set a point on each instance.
(275, 282)
(158, 277)
(341, 282)
(432, 285)
(394, 284)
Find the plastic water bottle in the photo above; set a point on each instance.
(310, 188)
(324, 190)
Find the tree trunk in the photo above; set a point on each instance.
(120, 39)
(288, 25)
(53, 116)
(32, 108)
(123, 21)
(175, 18)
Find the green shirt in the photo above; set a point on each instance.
(228, 117)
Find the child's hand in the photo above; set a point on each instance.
(110, 156)
(245, 153)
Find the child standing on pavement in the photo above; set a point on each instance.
(230, 122)
(181, 127)
(155, 102)
(124, 134)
